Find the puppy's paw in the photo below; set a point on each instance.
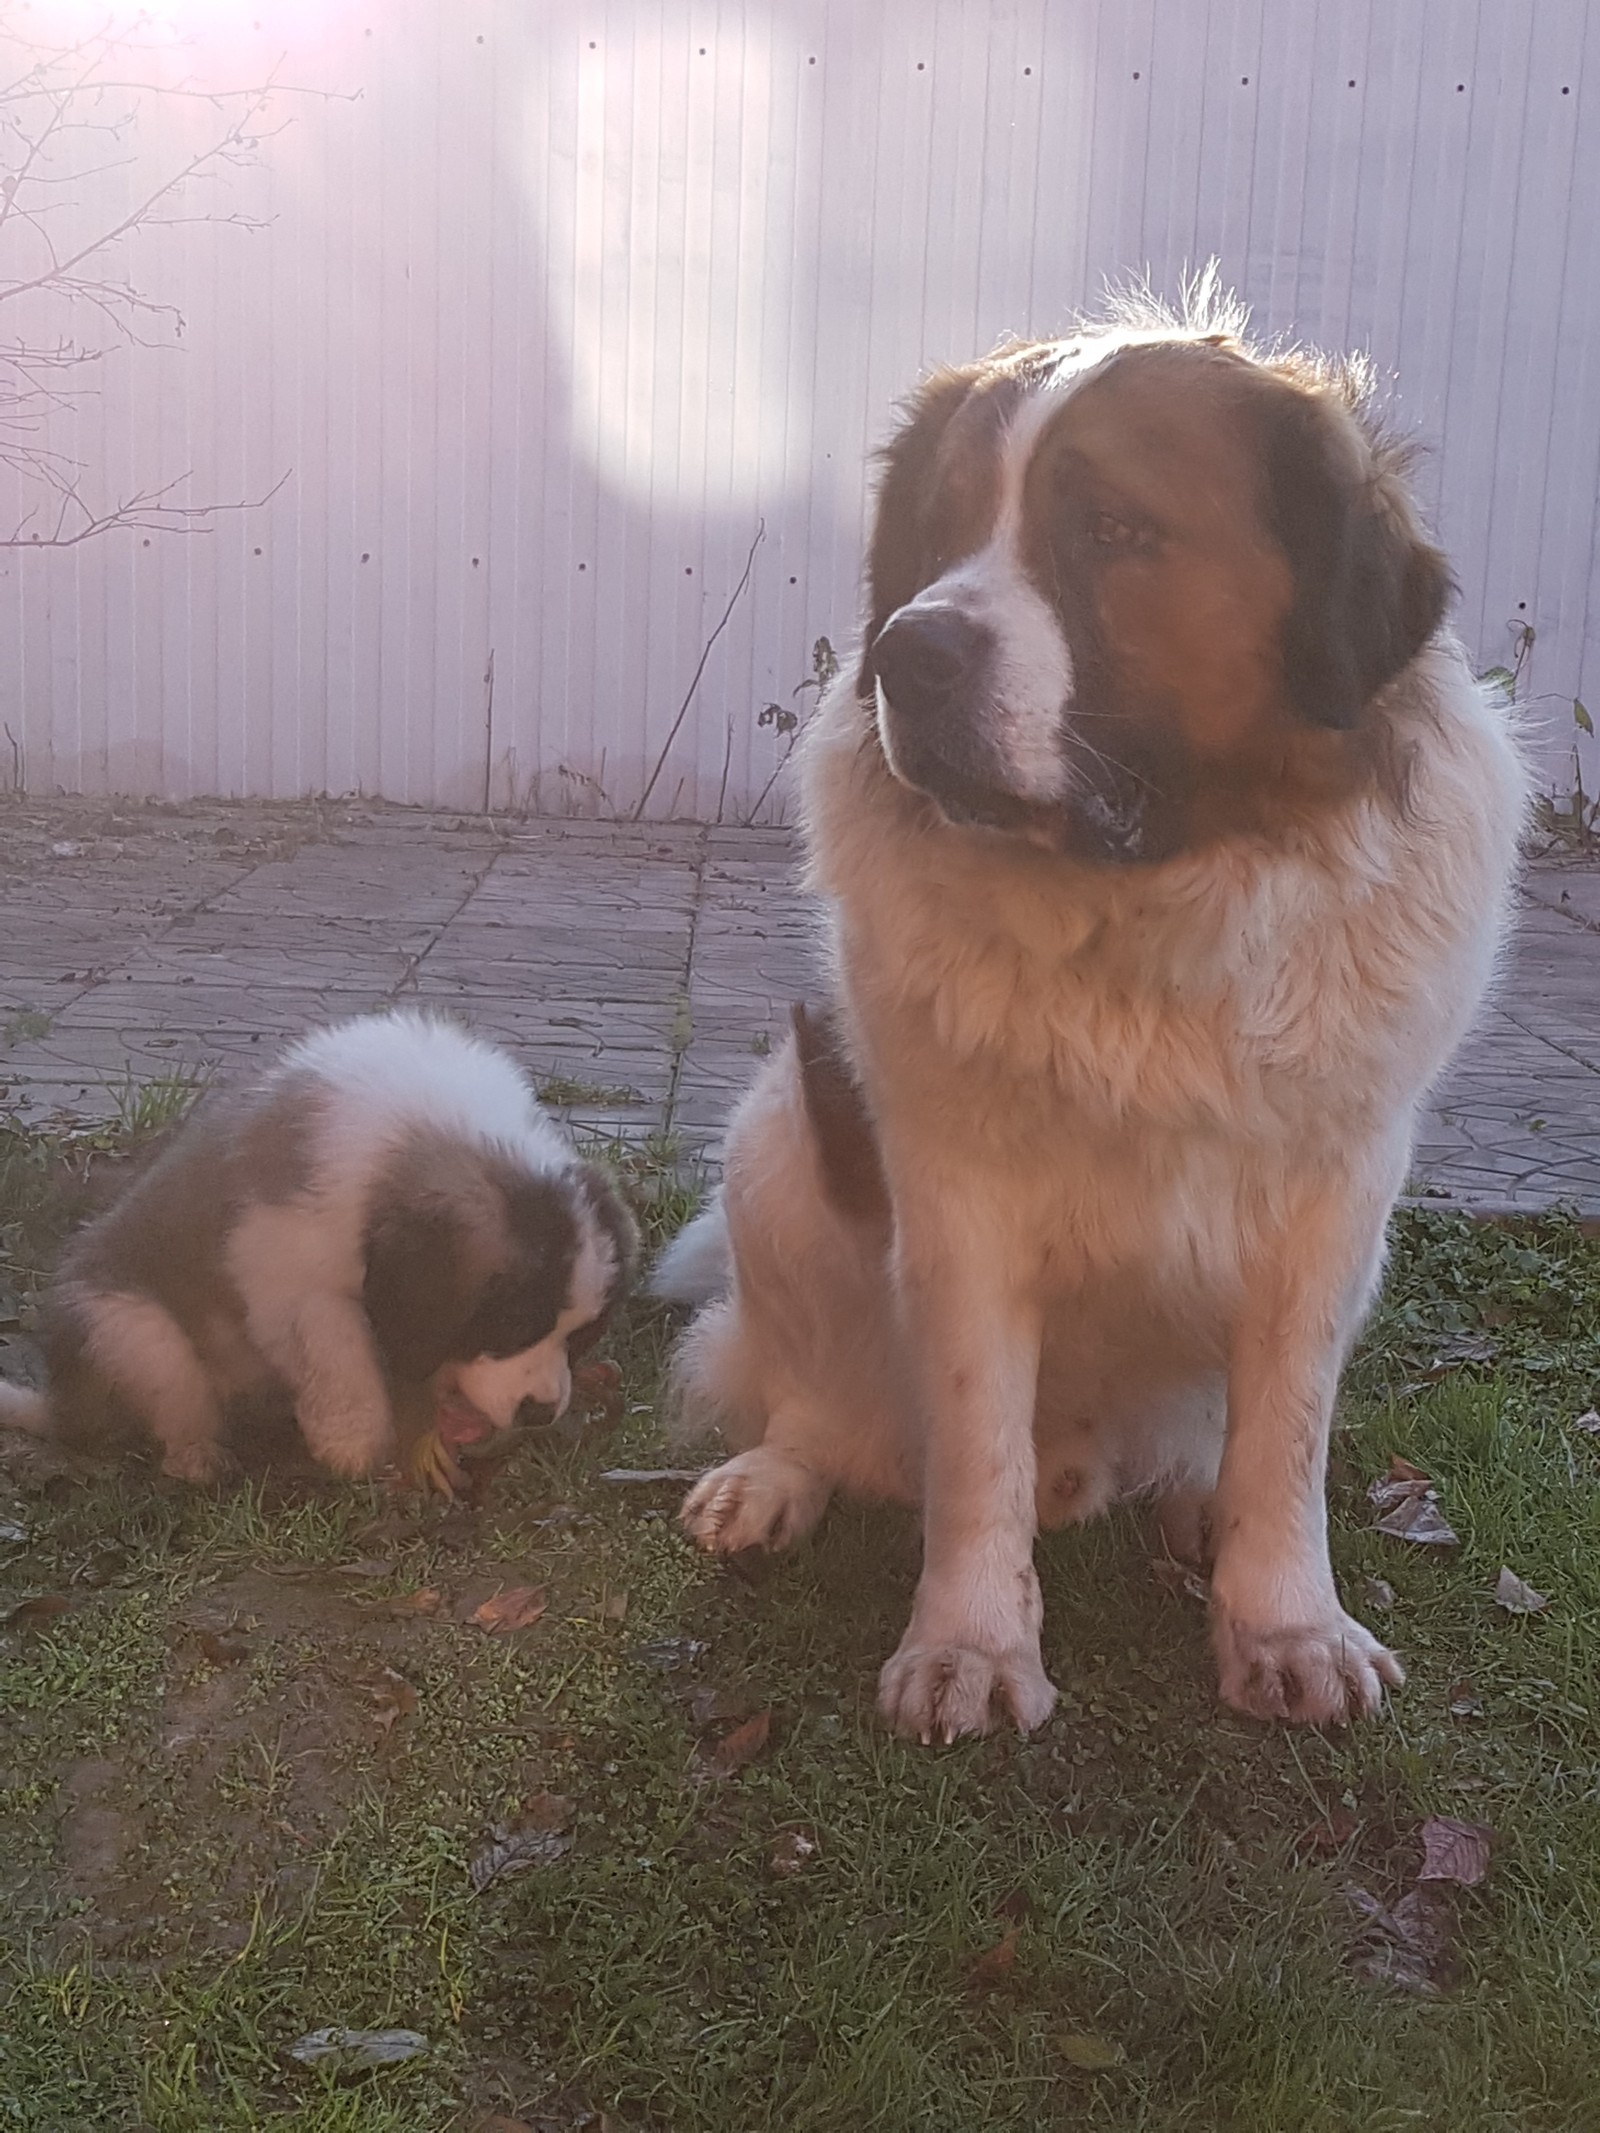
(937, 1692)
(200, 1461)
(761, 1499)
(350, 1441)
(1313, 1674)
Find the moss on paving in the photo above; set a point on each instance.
(217, 1846)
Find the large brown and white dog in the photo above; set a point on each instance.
(384, 1231)
(1166, 842)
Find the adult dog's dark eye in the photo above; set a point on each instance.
(1113, 535)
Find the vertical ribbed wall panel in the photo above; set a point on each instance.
(568, 301)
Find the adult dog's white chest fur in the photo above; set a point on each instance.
(1173, 1031)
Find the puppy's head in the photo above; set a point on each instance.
(1123, 588)
(484, 1278)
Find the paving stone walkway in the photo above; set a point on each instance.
(640, 971)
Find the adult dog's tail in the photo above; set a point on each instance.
(697, 1265)
(23, 1408)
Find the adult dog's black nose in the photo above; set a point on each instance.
(926, 660)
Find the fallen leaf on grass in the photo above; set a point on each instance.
(358, 2047)
(1455, 1851)
(537, 1835)
(393, 1698)
(995, 1964)
(1516, 1597)
(426, 1602)
(667, 1654)
(33, 1614)
(518, 1607)
(1411, 1947)
(223, 1651)
(649, 1477)
(1093, 2054)
(793, 1853)
(1460, 1349)
(597, 1390)
(1589, 1422)
(741, 1746)
(1407, 1504)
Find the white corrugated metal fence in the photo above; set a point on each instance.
(555, 309)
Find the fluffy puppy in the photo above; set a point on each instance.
(385, 1231)
(1165, 841)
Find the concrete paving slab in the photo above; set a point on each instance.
(641, 970)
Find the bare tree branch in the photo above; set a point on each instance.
(71, 114)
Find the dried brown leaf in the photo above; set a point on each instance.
(649, 1477)
(427, 1601)
(1402, 1470)
(1411, 1947)
(1093, 2054)
(223, 1651)
(741, 1746)
(1517, 1597)
(393, 1698)
(995, 1964)
(793, 1853)
(358, 2047)
(517, 1607)
(1408, 1507)
(1455, 1851)
(522, 1841)
(546, 1810)
(33, 1614)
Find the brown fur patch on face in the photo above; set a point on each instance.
(1145, 522)
(1239, 572)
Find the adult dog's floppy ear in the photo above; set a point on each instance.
(1369, 591)
(897, 560)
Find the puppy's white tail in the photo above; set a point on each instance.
(698, 1264)
(23, 1408)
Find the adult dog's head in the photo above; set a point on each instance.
(1129, 590)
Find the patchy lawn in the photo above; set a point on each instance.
(275, 1767)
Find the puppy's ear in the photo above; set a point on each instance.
(897, 559)
(1369, 591)
(612, 1218)
(416, 1291)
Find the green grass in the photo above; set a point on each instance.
(207, 1860)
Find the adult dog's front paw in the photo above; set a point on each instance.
(761, 1499)
(937, 1692)
(1322, 1673)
